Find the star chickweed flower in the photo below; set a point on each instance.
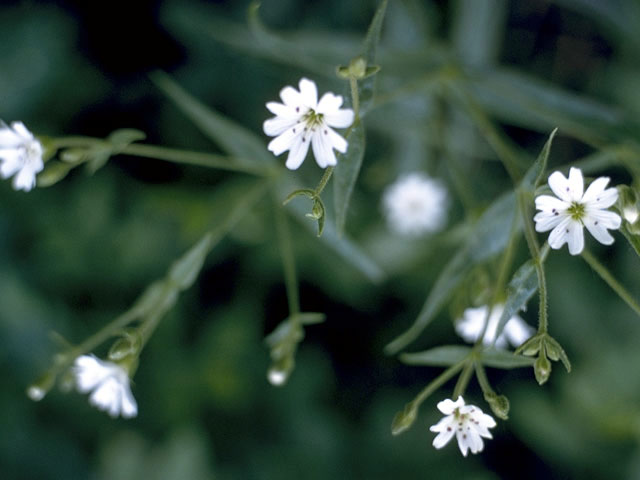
(109, 384)
(468, 423)
(301, 120)
(572, 209)
(516, 331)
(415, 204)
(20, 154)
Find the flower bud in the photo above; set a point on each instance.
(542, 369)
(404, 419)
(499, 405)
(39, 389)
(279, 372)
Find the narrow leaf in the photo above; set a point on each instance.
(505, 360)
(346, 173)
(232, 137)
(535, 174)
(437, 357)
(488, 237)
(367, 86)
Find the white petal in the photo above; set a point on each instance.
(285, 140)
(470, 326)
(547, 221)
(575, 238)
(337, 142)
(286, 111)
(598, 230)
(89, 372)
(558, 235)
(443, 423)
(291, 97)
(448, 406)
(297, 152)
(329, 103)
(550, 204)
(21, 130)
(129, 405)
(24, 180)
(9, 138)
(595, 189)
(517, 331)
(474, 440)
(560, 186)
(604, 199)
(576, 184)
(277, 125)
(607, 219)
(340, 119)
(107, 396)
(485, 420)
(322, 149)
(12, 162)
(308, 93)
(444, 436)
(463, 441)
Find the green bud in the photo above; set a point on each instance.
(628, 204)
(40, 388)
(318, 213)
(279, 372)
(357, 69)
(556, 352)
(404, 419)
(53, 173)
(127, 346)
(542, 369)
(499, 405)
(531, 347)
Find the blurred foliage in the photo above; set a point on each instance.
(461, 82)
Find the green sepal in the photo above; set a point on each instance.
(404, 419)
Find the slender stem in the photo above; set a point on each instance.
(355, 98)
(288, 261)
(481, 375)
(438, 382)
(323, 181)
(616, 286)
(463, 380)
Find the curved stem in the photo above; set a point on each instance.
(437, 383)
(288, 261)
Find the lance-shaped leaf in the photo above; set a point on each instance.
(366, 87)
(346, 173)
(504, 359)
(534, 176)
(232, 137)
(437, 357)
(488, 237)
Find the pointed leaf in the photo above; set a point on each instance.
(505, 360)
(346, 173)
(232, 137)
(367, 86)
(535, 174)
(438, 356)
(488, 237)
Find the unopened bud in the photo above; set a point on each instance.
(39, 389)
(404, 419)
(499, 405)
(542, 369)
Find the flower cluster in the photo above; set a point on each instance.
(20, 154)
(467, 422)
(571, 210)
(301, 120)
(109, 384)
(415, 204)
(516, 331)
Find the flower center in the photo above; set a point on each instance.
(313, 119)
(576, 211)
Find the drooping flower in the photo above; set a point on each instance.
(516, 331)
(302, 120)
(415, 204)
(20, 154)
(572, 210)
(467, 422)
(109, 384)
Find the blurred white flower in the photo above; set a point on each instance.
(109, 384)
(571, 210)
(20, 154)
(415, 204)
(467, 422)
(516, 331)
(301, 120)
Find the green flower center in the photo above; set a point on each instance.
(576, 211)
(313, 119)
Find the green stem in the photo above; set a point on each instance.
(616, 286)
(463, 380)
(481, 375)
(355, 98)
(323, 181)
(288, 261)
(438, 382)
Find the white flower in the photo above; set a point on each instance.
(415, 204)
(516, 331)
(466, 421)
(20, 154)
(566, 215)
(301, 120)
(109, 384)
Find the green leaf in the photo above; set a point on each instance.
(505, 360)
(366, 87)
(346, 173)
(532, 103)
(232, 137)
(534, 176)
(488, 237)
(522, 287)
(185, 270)
(437, 357)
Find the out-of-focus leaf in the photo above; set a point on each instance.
(522, 287)
(345, 248)
(367, 86)
(534, 176)
(185, 270)
(505, 360)
(346, 173)
(438, 356)
(488, 237)
(478, 29)
(533, 103)
(232, 137)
